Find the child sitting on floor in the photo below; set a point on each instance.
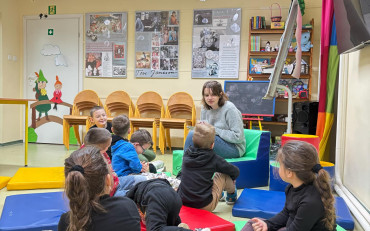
(98, 116)
(87, 185)
(200, 163)
(309, 201)
(159, 205)
(125, 159)
(101, 139)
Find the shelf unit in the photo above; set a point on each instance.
(273, 32)
(307, 56)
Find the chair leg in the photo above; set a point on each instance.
(161, 138)
(66, 130)
(168, 138)
(186, 132)
(77, 134)
(154, 138)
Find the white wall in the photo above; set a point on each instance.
(356, 133)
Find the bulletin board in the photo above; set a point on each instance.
(216, 43)
(157, 44)
(106, 45)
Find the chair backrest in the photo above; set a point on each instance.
(149, 105)
(181, 105)
(84, 101)
(117, 103)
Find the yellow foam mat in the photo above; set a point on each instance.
(4, 181)
(37, 178)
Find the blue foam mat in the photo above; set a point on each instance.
(266, 204)
(37, 211)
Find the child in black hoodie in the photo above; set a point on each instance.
(200, 163)
(158, 204)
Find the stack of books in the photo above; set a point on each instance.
(258, 22)
(255, 43)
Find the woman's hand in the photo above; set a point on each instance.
(259, 225)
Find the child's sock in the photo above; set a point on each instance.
(231, 197)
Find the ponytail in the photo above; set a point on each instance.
(85, 171)
(322, 184)
(77, 190)
(302, 158)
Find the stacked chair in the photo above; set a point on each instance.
(82, 105)
(118, 103)
(149, 110)
(180, 113)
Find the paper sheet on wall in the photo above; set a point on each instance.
(216, 43)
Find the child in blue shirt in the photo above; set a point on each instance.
(125, 159)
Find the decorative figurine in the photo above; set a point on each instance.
(268, 47)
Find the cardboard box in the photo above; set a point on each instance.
(277, 25)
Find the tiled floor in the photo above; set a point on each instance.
(47, 155)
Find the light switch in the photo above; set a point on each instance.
(14, 58)
(9, 57)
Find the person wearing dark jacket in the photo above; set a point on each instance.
(88, 182)
(200, 164)
(158, 204)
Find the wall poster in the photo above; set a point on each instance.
(156, 44)
(216, 43)
(106, 45)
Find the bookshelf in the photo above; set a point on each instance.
(269, 34)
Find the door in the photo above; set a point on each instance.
(52, 72)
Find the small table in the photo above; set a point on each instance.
(25, 103)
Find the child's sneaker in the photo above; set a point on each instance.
(231, 197)
(223, 197)
(202, 229)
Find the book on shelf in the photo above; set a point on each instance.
(257, 64)
(258, 22)
(255, 43)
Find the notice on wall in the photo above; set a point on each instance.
(216, 43)
(106, 45)
(156, 44)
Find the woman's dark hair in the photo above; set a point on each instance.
(85, 172)
(216, 89)
(300, 157)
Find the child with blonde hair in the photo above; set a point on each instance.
(309, 201)
(204, 174)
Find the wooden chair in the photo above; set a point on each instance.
(82, 105)
(180, 114)
(119, 103)
(149, 110)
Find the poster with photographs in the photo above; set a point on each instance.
(157, 44)
(106, 45)
(216, 43)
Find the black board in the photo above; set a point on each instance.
(247, 97)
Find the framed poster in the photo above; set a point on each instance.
(156, 44)
(216, 43)
(106, 45)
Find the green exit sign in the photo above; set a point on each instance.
(50, 31)
(52, 10)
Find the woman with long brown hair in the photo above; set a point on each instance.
(87, 186)
(222, 114)
(309, 201)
